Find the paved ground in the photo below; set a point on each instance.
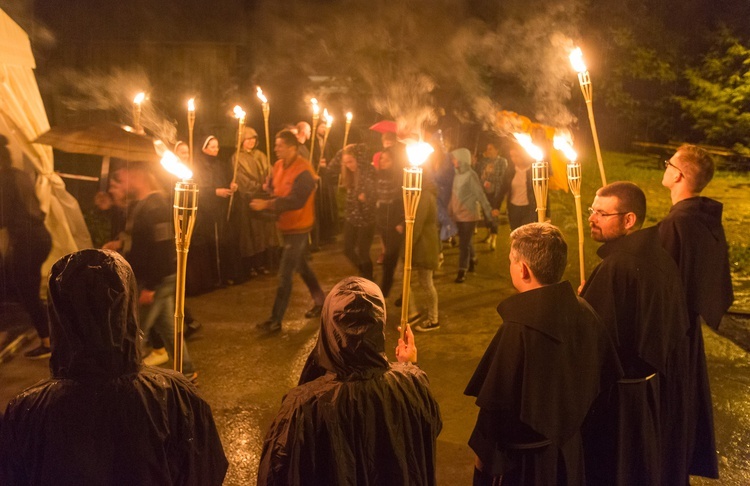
(244, 376)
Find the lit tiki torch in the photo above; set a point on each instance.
(348, 126)
(137, 112)
(329, 123)
(185, 209)
(576, 59)
(412, 189)
(239, 113)
(266, 112)
(539, 174)
(562, 143)
(191, 125)
(316, 117)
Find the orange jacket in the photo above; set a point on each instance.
(296, 212)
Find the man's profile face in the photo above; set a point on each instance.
(282, 150)
(672, 170)
(606, 225)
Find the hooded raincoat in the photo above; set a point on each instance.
(102, 418)
(355, 419)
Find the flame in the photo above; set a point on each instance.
(564, 145)
(524, 140)
(191, 104)
(418, 152)
(349, 117)
(239, 113)
(139, 98)
(174, 166)
(328, 118)
(261, 96)
(315, 107)
(576, 60)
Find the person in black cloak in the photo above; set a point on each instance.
(639, 434)
(102, 417)
(355, 418)
(692, 233)
(548, 361)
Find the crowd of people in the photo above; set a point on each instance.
(601, 385)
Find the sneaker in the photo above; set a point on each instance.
(156, 357)
(461, 277)
(269, 326)
(427, 326)
(40, 352)
(314, 311)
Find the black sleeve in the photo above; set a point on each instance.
(303, 185)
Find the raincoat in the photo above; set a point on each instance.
(355, 419)
(102, 418)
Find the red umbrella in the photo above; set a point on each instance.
(385, 126)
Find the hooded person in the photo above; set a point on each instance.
(355, 418)
(102, 417)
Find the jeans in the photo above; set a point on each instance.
(293, 259)
(357, 243)
(521, 215)
(465, 243)
(160, 316)
(424, 275)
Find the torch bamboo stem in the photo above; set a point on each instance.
(185, 208)
(191, 125)
(412, 191)
(579, 216)
(588, 94)
(240, 126)
(313, 136)
(346, 131)
(266, 112)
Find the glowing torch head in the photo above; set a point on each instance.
(261, 96)
(191, 104)
(239, 113)
(564, 145)
(139, 98)
(524, 140)
(349, 117)
(174, 166)
(328, 117)
(315, 107)
(576, 60)
(418, 152)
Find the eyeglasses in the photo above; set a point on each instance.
(599, 214)
(668, 163)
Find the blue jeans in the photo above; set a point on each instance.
(293, 259)
(160, 317)
(465, 243)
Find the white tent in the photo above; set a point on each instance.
(22, 119)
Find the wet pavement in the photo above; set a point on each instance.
(244, 375)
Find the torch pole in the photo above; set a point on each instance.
(266, 112)
(574, 181)
(587, 89)
(348, 126)
(240, 126)
(191, 126)
(412, 190)
(316, 117)
(540, 180)
(185, 209)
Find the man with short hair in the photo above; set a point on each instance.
(292, 187)
(303, 133)
(693, 234)
(639, 436)
(546, 365)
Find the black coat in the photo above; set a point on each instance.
(102, 418)
(537, 380)
(355, 419)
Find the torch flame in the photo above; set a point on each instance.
(174, 166)
(139, 98)
(349, 117)
(576, 60)
(328, 118)
(239, 113)
(563, 144)
(261, 96)
(315, 107)
(524, 140)
(418, 152)
(191, 104)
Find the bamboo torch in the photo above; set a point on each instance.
(137, 112)
(185, 210)
(539, 174)
(191, 126)
(348, 126)
(266, 112)
(562, 144)
(412, 189)
(315, 118)
(576, 60)
(239, 113)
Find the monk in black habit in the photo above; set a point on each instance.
(102, 417)
(540, 374)
(692, 233)
(355, 418)
(639, 435)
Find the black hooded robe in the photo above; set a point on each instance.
(101, 418)
(692, 233)
(359, 420)
(640, 435)
(535, 384)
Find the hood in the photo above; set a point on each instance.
(463, 156)
(706, 211)
(352, 329)
(93, 309)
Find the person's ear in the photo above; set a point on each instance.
(630, 220)
(525, 271)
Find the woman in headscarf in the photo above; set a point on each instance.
(355, 418)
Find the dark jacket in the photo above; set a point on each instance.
(355, 419)
(102, 418)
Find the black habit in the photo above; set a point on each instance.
(640, 435)
(535, 384)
